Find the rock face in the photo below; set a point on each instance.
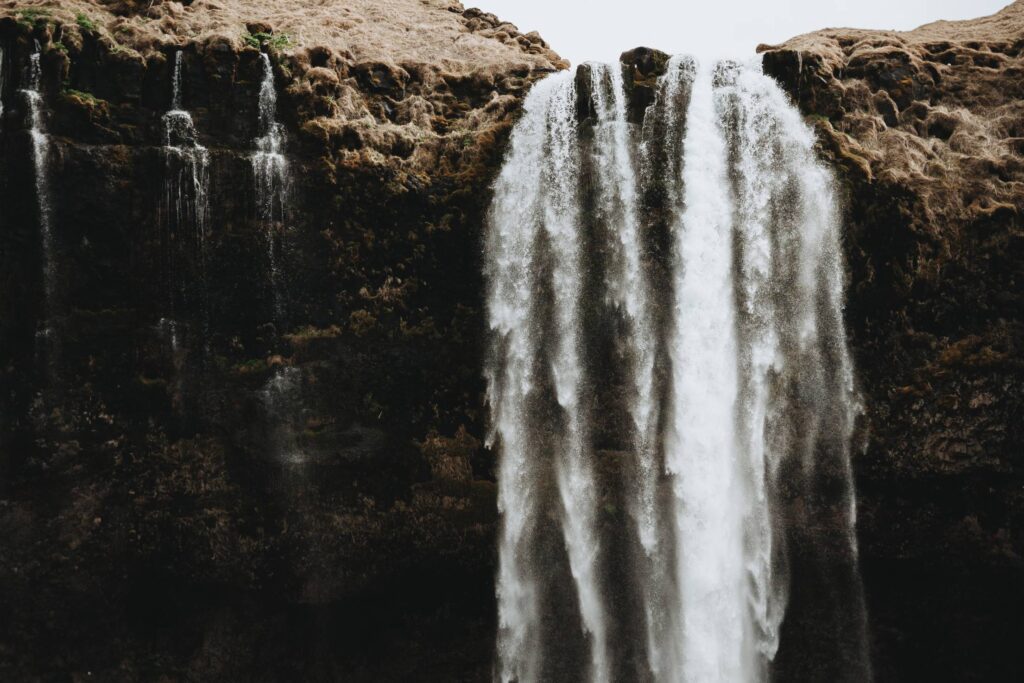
(925, 131)
(195, 483)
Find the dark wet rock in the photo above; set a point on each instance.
(642, 67)
(161, 509)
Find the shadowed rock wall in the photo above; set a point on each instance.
(193, 485)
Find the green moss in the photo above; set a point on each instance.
(278, 41)
(84, 22)
(84, 96)
(29, 16)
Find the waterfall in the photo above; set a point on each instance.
(733, 383)
(2, 83)
(35, 120)
(270, 170)
(536, 204)
(627, 287)
(186, 202)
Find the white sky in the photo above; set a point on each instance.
(600, 30)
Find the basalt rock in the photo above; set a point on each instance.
(201, 486)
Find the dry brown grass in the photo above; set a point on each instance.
(427, 31)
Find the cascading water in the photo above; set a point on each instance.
(283, 391)
(1, 87)
(270, 169)
(735, 385)
(186, 202)
(627, 291)
(536, 205)
(35, 120)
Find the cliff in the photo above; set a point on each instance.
(925, 131)
(210, 472)
(256, 456)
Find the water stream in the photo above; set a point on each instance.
(36, 122)
(270, 170)
(733, 381)
(186, 204)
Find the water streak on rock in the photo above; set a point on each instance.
(270, 170)
(36, 122)
(186, 202)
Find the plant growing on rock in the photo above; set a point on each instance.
(278, 41)
(84, 22)
(29, 16)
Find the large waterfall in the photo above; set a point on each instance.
(665, 309)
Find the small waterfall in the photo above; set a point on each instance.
(186, 202)
(36, 121)
(270, 170)
(738, 392)
(2, 83)
(283, 399)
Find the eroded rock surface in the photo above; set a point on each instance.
(203, 485)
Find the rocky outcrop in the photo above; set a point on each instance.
(198, 484)
(925, 129)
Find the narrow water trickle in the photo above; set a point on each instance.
(282, 395)
(270, 170)
(2, 83)
(714, 233)
(185, 205)
(36, 122)
(282, 400)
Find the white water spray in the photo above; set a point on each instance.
(2, 51)
(536, 201)
(628, 293)
(186, 198)
(758, 378)
(36, 121)
(270, 170)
